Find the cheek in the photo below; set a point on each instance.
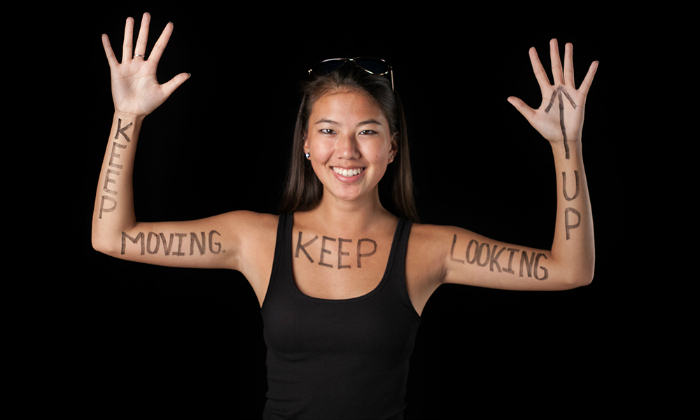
(320, 151)
(378, 153)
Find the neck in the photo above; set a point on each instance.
(351, 216)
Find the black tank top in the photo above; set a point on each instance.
(337, 359)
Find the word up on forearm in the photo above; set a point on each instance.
(568, 219)
(108, 200)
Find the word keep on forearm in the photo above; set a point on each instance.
(108, 200)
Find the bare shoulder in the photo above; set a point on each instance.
(256, 237)
(251, 221)
(431, 239)
(428, 246)
(431, 248)
(255, 232)
(426, 232)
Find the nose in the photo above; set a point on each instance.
(346, 147)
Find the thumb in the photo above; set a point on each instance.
(174, 83)
(522, 107)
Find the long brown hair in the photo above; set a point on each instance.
(303, 190)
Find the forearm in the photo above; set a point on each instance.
(573, 248)
(114, 204)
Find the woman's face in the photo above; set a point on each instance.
(350, 143)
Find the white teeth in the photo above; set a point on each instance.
(348, 172)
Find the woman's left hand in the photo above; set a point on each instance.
(560, 115)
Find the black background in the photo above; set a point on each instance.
(166, 341)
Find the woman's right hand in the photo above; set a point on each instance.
(135, 89)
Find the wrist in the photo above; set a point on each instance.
(129, 117)
(126, 127)
(566, 149)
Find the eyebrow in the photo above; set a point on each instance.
(370, 121)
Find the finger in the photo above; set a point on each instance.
(569, 65)
(162, 42)
(127, 49)
(522, 107)
(142, 40)
(540, 73)
(109, 52)
(174, 83)
(556, 62)
(586, 84)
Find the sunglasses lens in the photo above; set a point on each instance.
(327, 66)
(373, 65)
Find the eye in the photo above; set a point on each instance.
(367, 132)
(327, 131)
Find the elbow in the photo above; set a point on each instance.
(102, 244)
(587, 273)
(98, 245)
(573, 273)
(584, 279)
(580, 277)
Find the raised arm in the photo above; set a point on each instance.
(463, 257)
(136, 93)
(559, 119)
(215, 242)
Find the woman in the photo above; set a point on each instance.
(341, 281)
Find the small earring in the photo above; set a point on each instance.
(308, 155)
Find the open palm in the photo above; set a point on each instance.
(135, 88)
(560, 116)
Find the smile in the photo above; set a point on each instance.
(348, 172)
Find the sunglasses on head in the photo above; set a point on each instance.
(375, 66)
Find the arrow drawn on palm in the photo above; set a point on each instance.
(564, 127)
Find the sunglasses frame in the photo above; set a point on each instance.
(353, 60)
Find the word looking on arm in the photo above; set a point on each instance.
(484, 254)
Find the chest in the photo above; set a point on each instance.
(333, 267)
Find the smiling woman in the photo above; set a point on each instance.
(304, 189)
(342, 281)
(350, 143)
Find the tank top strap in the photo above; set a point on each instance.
(396, 277)
(404, 231)
(283, 248)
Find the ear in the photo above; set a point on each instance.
(306, 143)
(393, 147)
